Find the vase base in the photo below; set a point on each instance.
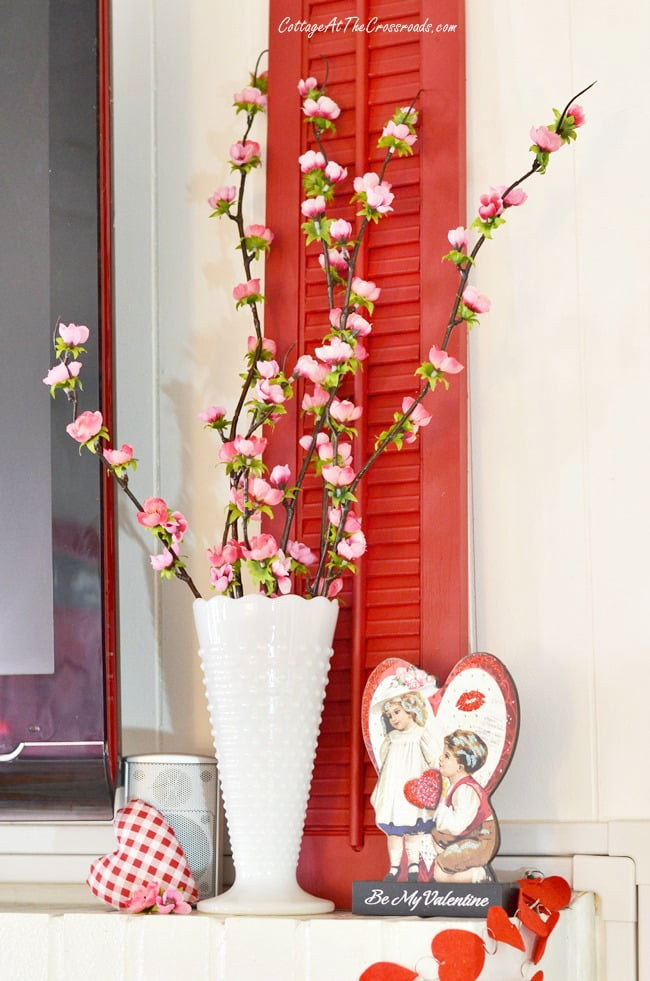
(249, 901)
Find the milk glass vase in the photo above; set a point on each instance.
(265, 664)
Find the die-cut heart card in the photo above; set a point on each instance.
(147, 850)
(439, 753)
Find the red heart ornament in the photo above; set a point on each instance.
(553, 892)
(424, 791)
(502, 929)
(387, 971)
(147, 850)
(460, 955)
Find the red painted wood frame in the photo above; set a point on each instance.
(105, 208)
(410, 597)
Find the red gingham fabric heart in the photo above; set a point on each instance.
(147, 849)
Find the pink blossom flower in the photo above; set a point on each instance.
(268, 345)
(358, 324)
(360, 351)
(176, 525)
(336, 260)
(377, 193)
(458, 238)
(266, 391)
(86, 426)
(352, 522)
(154, 512)
(322, 108)
(308, 367)
(379, 199)
(491, 205)
(144, 897)
(513, 198)
(443, 362)
(250, 447)
(325, 449)
(338, 476)
(280, 475)
(340, 230)
(475, 300)
(545, 138)
(316, 400)
(369, 181)
(301, 553)
(259, 231)
(62, 373)
(118, 458)
(335, 352)
(578, 114)
(73, 335)
(221, 577)
(162, 561)
(313, 207)
(250, 96)
(244, 290)
(224, 554)
(305, 86)
(399, 131)
(418, 417)
(222, 196)
(267, 369)
(311, 160)
(172, 900)
(305, 441)
(335, 172)
(366, 289)
(281, 568)
(212, 414)
(263, 547)
(409, 114)
(244, 153)
(352, 546)
(344, 411)
(334, 587)
(261, 491)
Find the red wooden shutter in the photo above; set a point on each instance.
(410, 599)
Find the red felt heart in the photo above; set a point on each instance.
(502, 929)
(540, 942)
(386, 971)
(424, 791)
(553, 892)
(460, 955)
(147, 850)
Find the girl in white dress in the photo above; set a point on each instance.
(406, 752)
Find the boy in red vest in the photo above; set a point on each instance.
(466, 835)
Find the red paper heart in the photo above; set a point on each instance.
(147, 850)
(386, 971)
(502, 929)
(424, 791)
(460, 955)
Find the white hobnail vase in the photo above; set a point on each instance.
(265, 664)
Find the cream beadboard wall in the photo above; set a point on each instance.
(560, 374)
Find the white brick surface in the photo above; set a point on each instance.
(71, 945)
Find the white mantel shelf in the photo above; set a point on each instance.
(70, 942)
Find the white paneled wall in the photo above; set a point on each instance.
(559, 400)
(559, 373)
